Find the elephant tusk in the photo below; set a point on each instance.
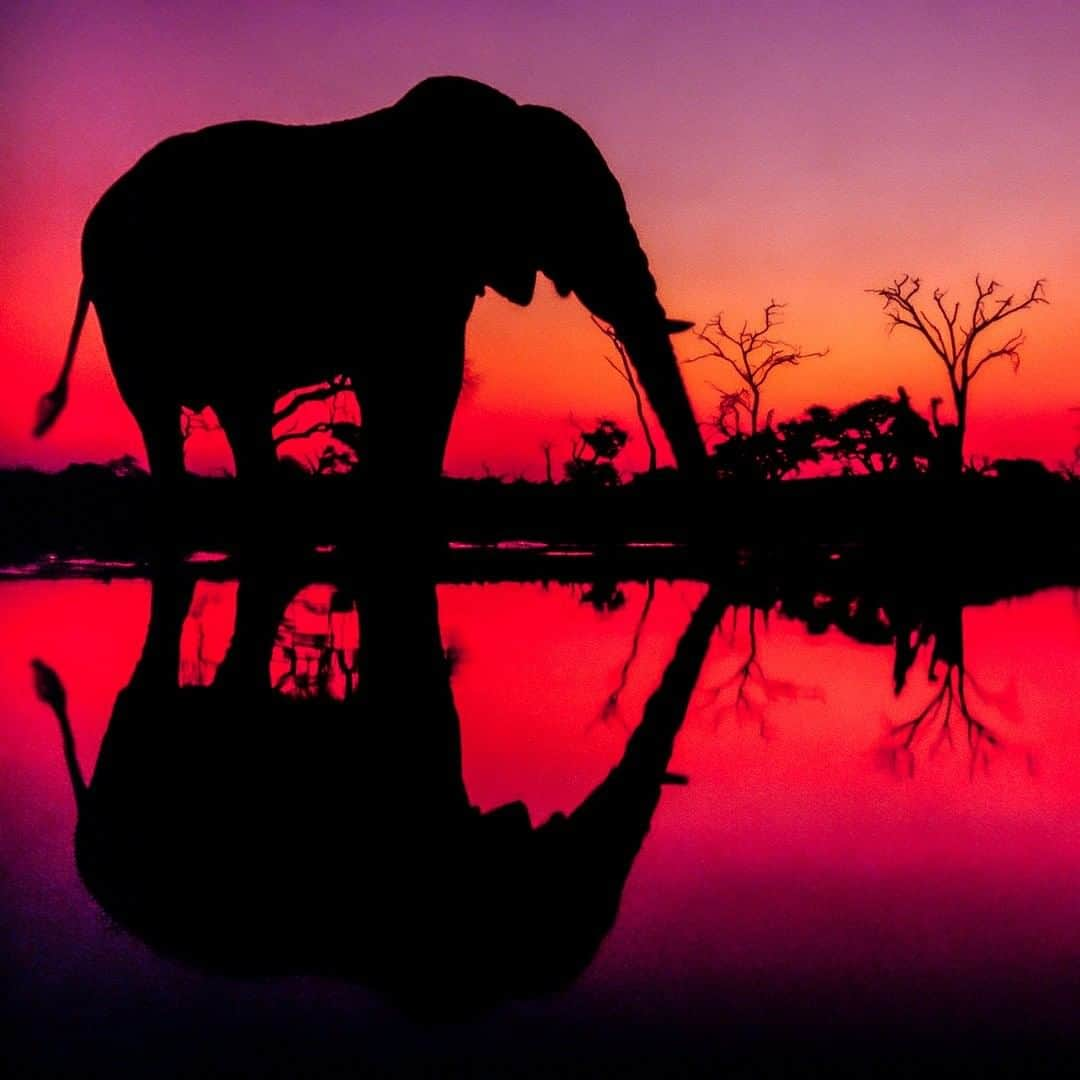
(677, 326)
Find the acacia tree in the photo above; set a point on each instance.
(753, 353)
(606, 442)
(958, 342)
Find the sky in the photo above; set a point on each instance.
(799, 151)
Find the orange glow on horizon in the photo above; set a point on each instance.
(805, 188)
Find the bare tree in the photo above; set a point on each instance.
(329, 392)
(753, 353)
(957, 341)
(338, 423)
(734, 404)
(192, 421)
(546, 447)
(625, 371)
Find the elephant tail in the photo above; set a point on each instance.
(52, 404)
(50, 690)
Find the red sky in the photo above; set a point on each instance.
(798, 151)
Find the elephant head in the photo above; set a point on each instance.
(535, 195)
(248, 832)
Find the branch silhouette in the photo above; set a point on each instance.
(956, 339)
(753, 354)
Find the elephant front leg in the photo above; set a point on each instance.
(407, 426)
(248, 427)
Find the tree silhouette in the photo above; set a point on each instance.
(605, 442)
(753, 354)
(546, 448)
(773, 452)
(625, 371)
(754, 691)
(881, 434)
(959, 343)
(339, 423)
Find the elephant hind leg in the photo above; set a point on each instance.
(159, 423)
(160, 427)
(155, 405)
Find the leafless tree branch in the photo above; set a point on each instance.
(322, 392)
(953, 338)
(753, 354)
(625, 371)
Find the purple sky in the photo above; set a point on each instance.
(802, 151)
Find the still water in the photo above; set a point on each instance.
(866, 844)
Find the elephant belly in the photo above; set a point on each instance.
(215, 342)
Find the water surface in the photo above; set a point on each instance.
(849, 867)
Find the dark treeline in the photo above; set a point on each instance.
(107, 512)
(876, 436)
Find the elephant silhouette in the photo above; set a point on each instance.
(247, 832)
(234, 264)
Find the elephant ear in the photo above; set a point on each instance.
(587, 242)
(509, 215)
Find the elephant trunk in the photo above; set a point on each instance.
(621, 291)
(588, 246)
(626, 298)
(657, 369)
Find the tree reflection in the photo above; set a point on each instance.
(916, 621)
(317, 647)
(954, 712)
(753, 692)
(611, 704)
(603, 595)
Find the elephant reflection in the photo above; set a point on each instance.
(247, 832)
(233, 264)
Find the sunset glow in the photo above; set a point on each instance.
(796, 151)
(318, 762)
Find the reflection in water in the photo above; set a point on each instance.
(952, 704)
(747, 692)
(611, 703)
(793, 894)
(298, 805)
(915, 624)
(604, 594)
(317, 650)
